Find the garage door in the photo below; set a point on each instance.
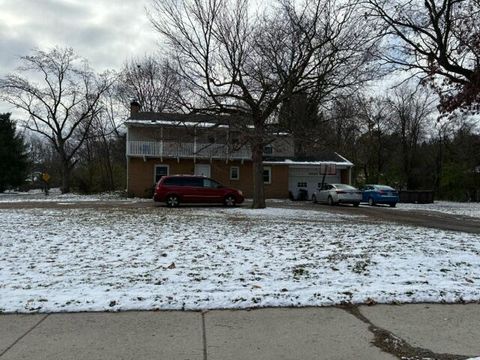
(308, 179)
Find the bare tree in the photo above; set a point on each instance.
(61, 105)
(375, 116)
(412, 108)
(153, 83)
(346, 128)
(437, 39)
(245, 62)
(301, 116)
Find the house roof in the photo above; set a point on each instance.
(154, 119)
(175, 119)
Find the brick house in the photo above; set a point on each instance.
(165, 144)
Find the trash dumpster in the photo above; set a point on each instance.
(417, 196)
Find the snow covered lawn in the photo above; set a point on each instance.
(446, 207)
(56, 196)
(200, 258)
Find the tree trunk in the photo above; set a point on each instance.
(438, 167)
(108, 164)
(66, 172)
(258, 185)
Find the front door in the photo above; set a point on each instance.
(202, 170)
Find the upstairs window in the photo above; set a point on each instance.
(268, 149)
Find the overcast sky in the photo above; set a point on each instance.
(105, 32)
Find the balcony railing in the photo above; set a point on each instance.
(185, 150)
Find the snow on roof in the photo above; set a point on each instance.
(308, 163)
(150, 119)
(202, 124)
(345, 159)
(323, 158)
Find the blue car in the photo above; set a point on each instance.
(379, 194)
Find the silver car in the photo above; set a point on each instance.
(333, 194)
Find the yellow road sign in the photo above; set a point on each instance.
(45, 177)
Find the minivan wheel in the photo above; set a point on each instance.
(393, 204)
(314, 199)
(371, 202)
(356, 204)
(173, 201)
(230, 201)
(330, 201)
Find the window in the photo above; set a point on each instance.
(160, 171)
(344, 187)
(234, 173)
(302, 184)
(193, 181)
(268, 149)
(171, 181)
(267, 175)
(325, 186)
(183, 181)
(209, 183)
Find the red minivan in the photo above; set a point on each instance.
(177, 189)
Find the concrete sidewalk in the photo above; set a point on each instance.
(376, 332)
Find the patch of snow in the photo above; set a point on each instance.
(54, 260)
(275, 213)
(309, 163)
(55, 195)
(447, 207)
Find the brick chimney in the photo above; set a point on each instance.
(134, 108)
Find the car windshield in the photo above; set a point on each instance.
(344, 187)
(384, 187)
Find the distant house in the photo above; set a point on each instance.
(161, 144)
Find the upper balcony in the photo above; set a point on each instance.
(183, 142)
(170, 149)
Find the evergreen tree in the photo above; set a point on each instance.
(13, 157)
